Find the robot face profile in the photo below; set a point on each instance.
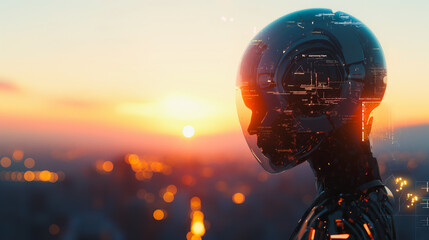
(301, 78)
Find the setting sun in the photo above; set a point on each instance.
(188, 131)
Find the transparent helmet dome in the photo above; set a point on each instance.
(303, 76)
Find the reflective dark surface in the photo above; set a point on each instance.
(303, 76)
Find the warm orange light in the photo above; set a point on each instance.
(172, 189)
(29, 176)
(147, 174)
(238, 198)
(45, 176)
(158, 214)
(140, 176)
(29, 163)
(189, 236)
(5, 162)
(156, 167)
(311, 234)
(133, 159)
(195, 203)
(197, 216)
(340, 236)
(401, 182)
(368, 230)
(143, 175)
(195, 237)
(168, 197)
(137, 167)
(18, 155)
(107, 166)
(188, 131)
(54, 177)
(198, 228)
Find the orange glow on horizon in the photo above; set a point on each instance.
(104, 85)
(169, 115)
(222, 120)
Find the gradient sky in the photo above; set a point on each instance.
(152, 67)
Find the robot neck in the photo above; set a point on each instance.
(342, 165)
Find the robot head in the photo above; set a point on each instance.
(304, 76)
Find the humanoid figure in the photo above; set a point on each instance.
(308, 83)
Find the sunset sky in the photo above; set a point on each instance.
(142, 70)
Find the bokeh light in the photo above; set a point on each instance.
(172, 189)
(29, 176)
(197, 216)
(45, 176)
(18, 155)
(198, 228)
(195, 203)
(5, 162)
(107, 166)
(29, 163)
(158, 214)
(168, 197)
(238, 198)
